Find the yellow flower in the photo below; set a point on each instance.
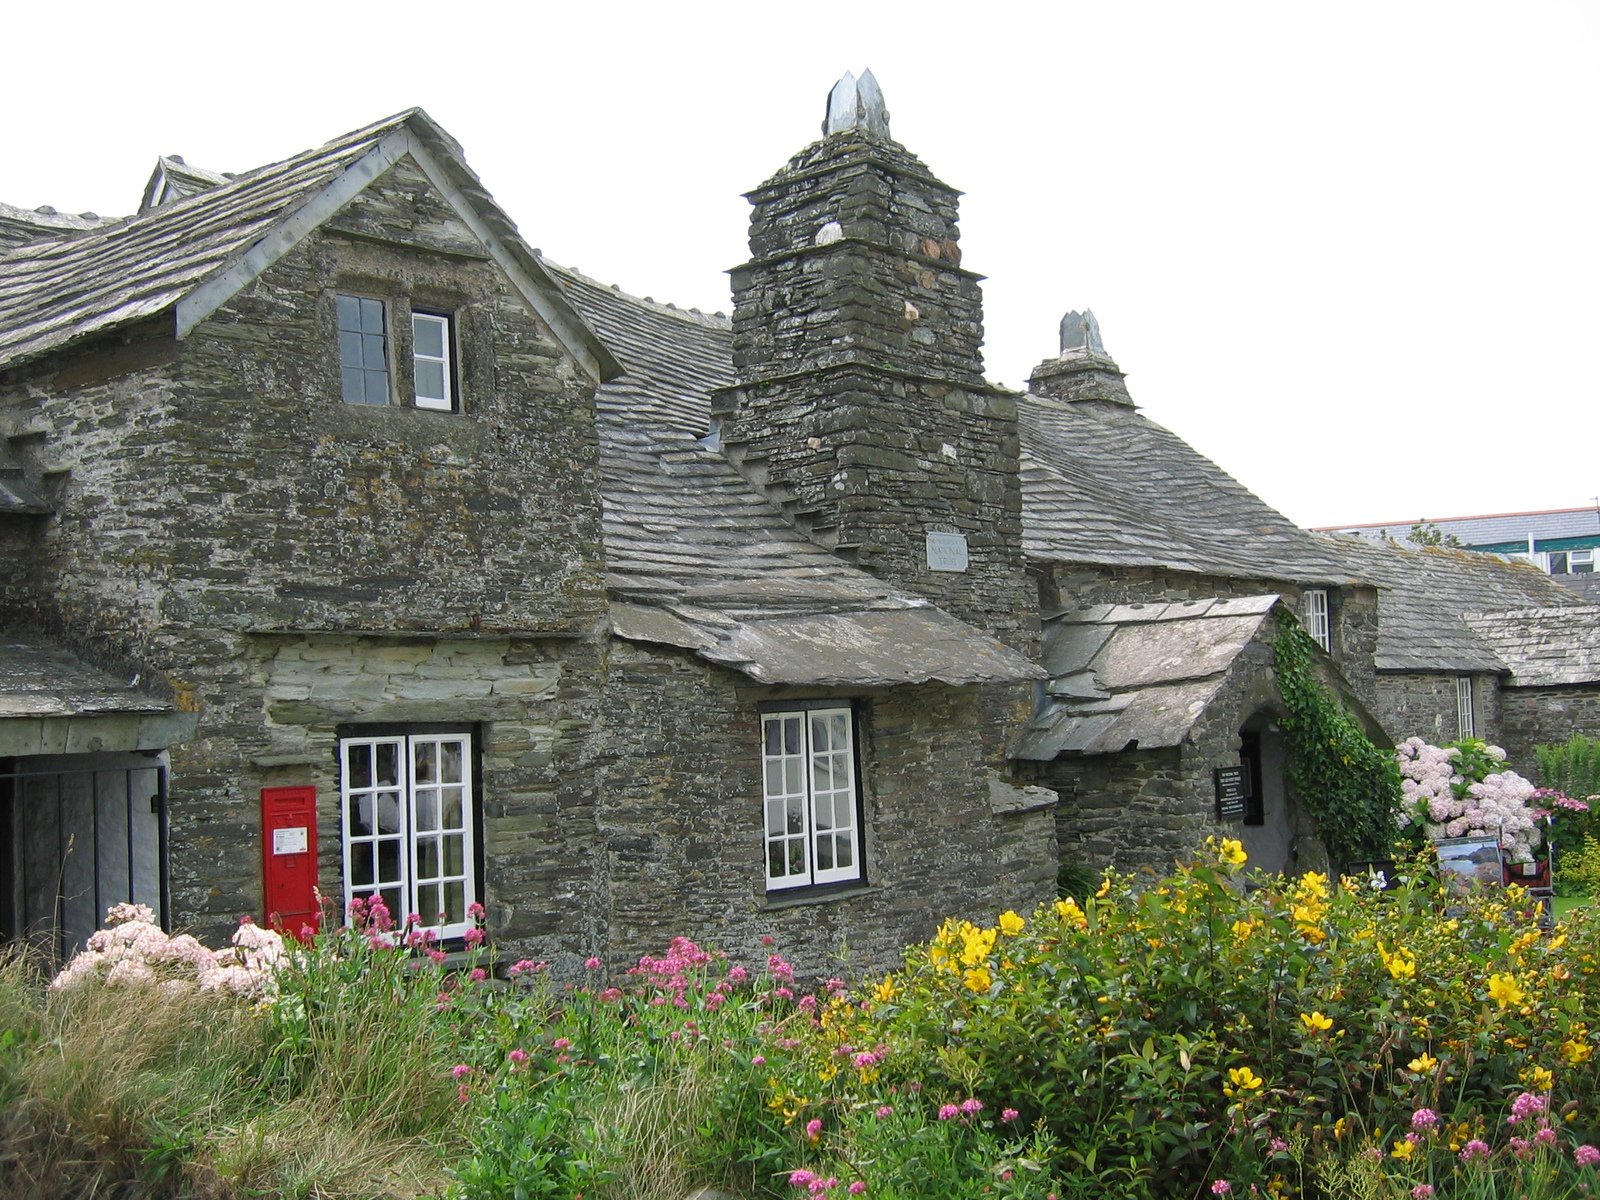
(1340, 1126)
(1402, 964)
(1069, 911)
(1011, 924)
(1242, 1079)
(1229, 850)
(1503, 990)
(1315, 1022)
(1577, 1052)
(977, 980)
(1314, 884)
(1538, 1079)
(1423, 1063)
(1402, 1149)
(1105, 889)
(886, 990)
(1243, 929)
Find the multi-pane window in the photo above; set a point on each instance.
(1317, 618)
(813, 827)
(1571, 562)
(407, 808)
(430, 352)
(1465, 726)
(363, 350)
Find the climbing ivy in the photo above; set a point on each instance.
(1349, 785)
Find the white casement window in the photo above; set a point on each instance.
(430, 351)
(1317, 618)
(1571, 562)
(1465, 726)
(363, 349)
(813, 823)
(406, 803)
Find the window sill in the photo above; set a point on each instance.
(805, 897)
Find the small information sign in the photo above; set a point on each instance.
(1233, 792)
(947, 551)
(291, 840)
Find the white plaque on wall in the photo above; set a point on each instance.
(947, 551)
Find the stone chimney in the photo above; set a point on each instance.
(1083, 371)
(860, 406)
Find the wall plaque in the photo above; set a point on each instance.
(1232, 792)
(947, 551)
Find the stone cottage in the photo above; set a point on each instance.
(349, 543)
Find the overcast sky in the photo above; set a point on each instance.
(1351, 252)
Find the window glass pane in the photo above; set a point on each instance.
(353, 386)
(377, 387)
(1558, 562)
(451, 763)
(430, 380)
(822, 773)
(796, 814)
(349, 310)
(775, 777)
(797, 856)
(428, 902)
(371, 316)
(361, 865)
(455, 856)
(775, 865)
(453, 808)
(774, 817)
(819, 734)
(824, 812)
(427, 858)
(388, 755)
(840, 723)
(424, 762)
(349, 348)
(388, 812)
(791, 775)
(791, 735)
(455, 901)
(373, 357)
(825, 853)
(428, 335)
(843, 855)
(772, 732)
(425, 810)
(358, 766)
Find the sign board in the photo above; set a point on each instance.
(947, 551)
(1233, 792)
(291, 840)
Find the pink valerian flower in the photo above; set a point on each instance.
(1423, 1191)
(1221, 1187)
(610, 994)
(884, 1111)
(473, 937)
(477, 975)
(1545, 1136)
(737, 974)
(972, 1106)
(808, 1003)
(783, 993)
(1526, 1105)
(948, 1112)
(592, 963)
(867, 1058)
(780, 970)
(1586, 1156)
(1424, 1118)
(475, 911)
(1009, 1115)
(814, 1129)
(525, 966)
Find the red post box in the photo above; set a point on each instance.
(289, 858)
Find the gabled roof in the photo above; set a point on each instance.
(1423, 595)
(1544, 647)
(1137, 675)
(187, 257)
(1490, 529)
(1103, 484)
(699, 560)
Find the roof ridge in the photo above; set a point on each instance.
(667, 309)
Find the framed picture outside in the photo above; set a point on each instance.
(1467, 863)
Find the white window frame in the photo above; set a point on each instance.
(1466, 726)
(445, 361)
(810, 781)
(414, 808)
(1317, 618)
(1580, 562)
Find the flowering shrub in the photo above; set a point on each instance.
(133, 950)
(1458, 791)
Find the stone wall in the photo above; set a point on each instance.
(681, 824)
(1423, 704)
(1544, 715)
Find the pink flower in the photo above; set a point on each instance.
(475, 911)
(1424, 1118)
(884, 1111)
(436, 956)
(759, 1060)
(561, 1044)
(948, 1112)
(801, 1178)
(1545, 1136)
(814, 1129)
(518, 1056)
(737, 975)
(1423, 1191)
(856, 1188)
(477, 975)
(1277, 1145)
(525, 966)
(1221, 1187)
(473, 937)
(460, 1070)
(767, 939)
(1476, 1148)
(1009, 1114)
(1525, 1106)
(972, 1106)
(592, 963)
(1586, 1156)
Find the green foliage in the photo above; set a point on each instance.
(1572, 766)
(1426, 533)
(1076, 880)
(1579, 873)
(1350, 786)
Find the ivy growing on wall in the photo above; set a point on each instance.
(1350, 786)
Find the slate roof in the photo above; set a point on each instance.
(1491, 529)
(41, 679)
(1104, 484)
(1137, 674)
(1544, 647)
(699, 559)
(57, 292)
(1423, 594)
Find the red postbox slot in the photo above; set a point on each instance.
(289, 858)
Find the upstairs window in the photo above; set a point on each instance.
(430, 353)
(809, 793)
(1317, 618)
(1571, 562)
(1465, 726)
(363, 350)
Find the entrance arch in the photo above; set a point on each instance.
(1271, 825)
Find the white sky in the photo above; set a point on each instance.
(1351, 252)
